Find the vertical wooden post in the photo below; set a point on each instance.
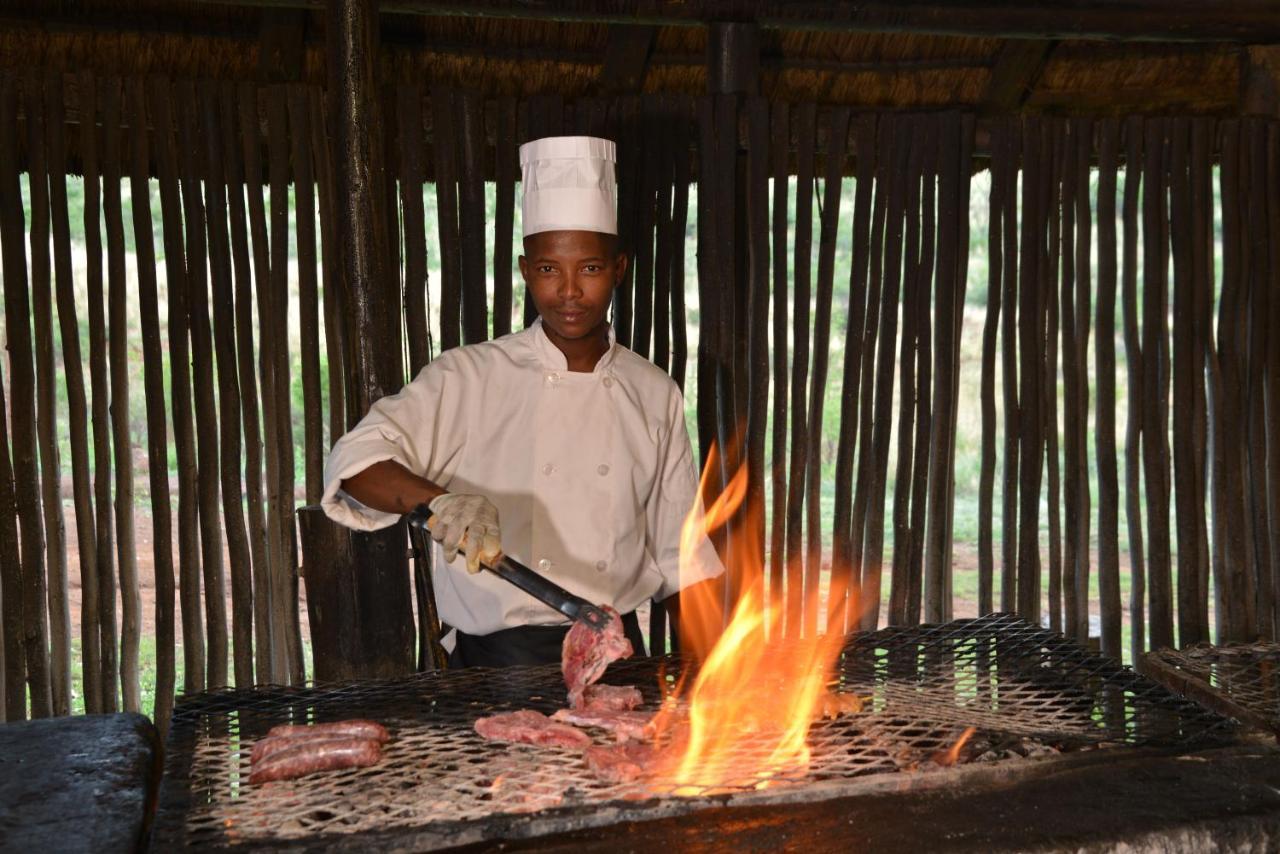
(352, 28)
(371, 297)
(1108, 477)
(46, 411)
(77, 405)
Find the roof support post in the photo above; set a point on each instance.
(371, 290)
(733, 58)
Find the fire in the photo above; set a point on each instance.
(752, 702)
(946, 760)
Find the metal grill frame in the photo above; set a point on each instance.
(1027, 691)
(1239, 680)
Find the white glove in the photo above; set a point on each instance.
(466, 523)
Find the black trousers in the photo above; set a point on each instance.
(526, 645)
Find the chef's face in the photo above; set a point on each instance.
(571, 276)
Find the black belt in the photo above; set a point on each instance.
(526, 645)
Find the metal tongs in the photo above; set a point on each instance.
(539, 587)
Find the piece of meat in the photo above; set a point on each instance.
(620, 763)
(273, 744)
(307, 756)
(529, 727)
(625, 725)
(611, 698)
(354, 728)
(587, 652)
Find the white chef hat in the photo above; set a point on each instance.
(569, 184)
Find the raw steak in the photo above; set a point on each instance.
(625, 725)
(620, 763)
(611, 698)
(529, 727)
(586, 653)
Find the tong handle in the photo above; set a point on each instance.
(538, 586)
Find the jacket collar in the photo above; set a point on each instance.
(549, 355)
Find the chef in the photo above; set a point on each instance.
(555, 445)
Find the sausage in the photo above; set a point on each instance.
(275, 743)
(354, 728)
(307, 756)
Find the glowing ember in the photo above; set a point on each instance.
(752, 702)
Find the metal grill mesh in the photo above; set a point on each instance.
(1025, 689)
(1241, 680)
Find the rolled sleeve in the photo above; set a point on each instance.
(404, 427)
(677, 498)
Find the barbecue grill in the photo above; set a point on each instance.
(1025, 690)
(1239, 680)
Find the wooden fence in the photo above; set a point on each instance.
(1201, 477)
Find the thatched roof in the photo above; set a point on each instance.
(529, 55)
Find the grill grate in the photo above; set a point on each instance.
(1025, 690)
(1240, 680)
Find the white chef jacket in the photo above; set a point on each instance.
(592, 473)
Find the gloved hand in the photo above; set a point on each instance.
(466, 523)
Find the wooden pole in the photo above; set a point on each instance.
(1155, 446)
(1203, 275)
(806, 143)
(924, 385)
(1184, 366)
(870, 602)
(1009, 576)
(1105, 430)
(1072, 369)
(304, 212)
(837, 139)
(990, 330)
(280, 489)
(471, 218)
(1083, 299)
(224, 335)
(873, 545)
(25, 663)
(207, 451)
(845, 600)
(157, 437)
(1030, 338)
(166, 156)
(913, 307)
(99, 386)
(780, 144)
(1133, 359)
(46, 406)
(679, 220)
(121, 442)
(443, 142)
(1273, 371)
(77, 405)
(758, 269)
(331, 297)
(409, 108)
(949, 303)
(506, 163)
(1049, 257)
(1249, 21)
(352, 28)
(639, 227)
(240, 138)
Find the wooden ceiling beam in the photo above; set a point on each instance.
(626, 59)
(1242, 21)
(1018, 66)
(1260, 81)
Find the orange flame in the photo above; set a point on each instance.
(752, 702)
(946, 760)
